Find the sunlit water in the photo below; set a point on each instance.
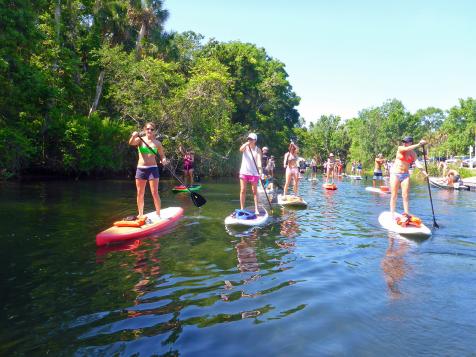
(326, 280)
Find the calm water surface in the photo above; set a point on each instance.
(326, 280)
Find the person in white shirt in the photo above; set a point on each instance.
(250, 169)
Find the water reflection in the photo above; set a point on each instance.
(393, 264)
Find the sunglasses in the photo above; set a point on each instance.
(149, 129)
(250, 139)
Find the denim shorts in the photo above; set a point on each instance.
(147, 173)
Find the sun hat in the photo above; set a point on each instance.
(252, 136)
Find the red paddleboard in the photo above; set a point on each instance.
(168, 216)
(330, 186)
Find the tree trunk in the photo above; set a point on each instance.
(99, 86)
(140, 37)
(58, 20)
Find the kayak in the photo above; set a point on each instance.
(168, 216)
(441, 183)
(380, 189)
(247, 217)
(182, 188)
(389, 222)
(291, 201)
(330, 186)
(355, 177)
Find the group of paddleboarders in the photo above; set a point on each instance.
(257, 163)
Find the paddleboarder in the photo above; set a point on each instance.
(314, 168)
(147, 168)
(400, 176)
(292, 169)
(188, 163)
(378, 176)
(330, 164)
(250, 169)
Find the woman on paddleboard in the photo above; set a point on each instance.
(330, 167)
(147, 169)
(250, 169)
(400, 176)
(188, 161)
(292, 168)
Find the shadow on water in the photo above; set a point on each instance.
(324, 280)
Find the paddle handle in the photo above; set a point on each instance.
(264, 188)
(429, 189)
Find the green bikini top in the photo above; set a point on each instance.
(146, 150)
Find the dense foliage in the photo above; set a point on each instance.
(77, 76)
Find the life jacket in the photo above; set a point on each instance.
(128, 223)
(407, 220)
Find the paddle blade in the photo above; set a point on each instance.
(197, 199)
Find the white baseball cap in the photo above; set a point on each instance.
(265, 148)
(252, 136)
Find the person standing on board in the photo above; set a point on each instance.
(147, 169)
(314, 168)
(292, 169)
(270, 166)
(359, 168)
(378, 175)
(330, 164)
(188, 161)
(264, 159)
(250, 169)
(400, 176)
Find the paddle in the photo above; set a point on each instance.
(197, 199)
(264, 188)
(435, 225)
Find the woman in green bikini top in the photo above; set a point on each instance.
(147, 169)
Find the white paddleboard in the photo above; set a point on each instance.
(376, 190)
(355, 177)
(258, 221)
(291, 201)
(389, 222)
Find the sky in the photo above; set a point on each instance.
(343, 56)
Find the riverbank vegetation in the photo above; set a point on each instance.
(78, 76)
(379, 130)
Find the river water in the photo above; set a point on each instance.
(326, 280)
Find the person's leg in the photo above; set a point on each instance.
(154, 189)
(405, 184)
(373, 181)
(140, 185)
(296, 184)
(394, 184)
(190, 174)
(242, 193)
(286, 184)
(254, 188)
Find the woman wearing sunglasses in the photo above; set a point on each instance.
(147, 168)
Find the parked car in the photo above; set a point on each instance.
(467, 162)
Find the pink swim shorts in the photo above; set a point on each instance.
(250, 178)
